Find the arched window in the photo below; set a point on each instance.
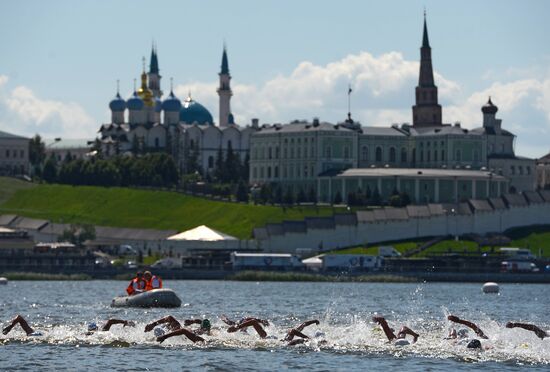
(276, 171)
(211, 163)
(156, 142)
(365, 153)
(192, 143)
(229, 144)
(269, 153)
(442, 155)
(393, 156)
(378, 155)
(403, 155)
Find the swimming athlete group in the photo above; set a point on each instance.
(169, 326)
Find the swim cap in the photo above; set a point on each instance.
(92, 327)
(159, 331)
(474, 344)
(319, 334)
(36, 334)
(205, 324)
(462, 333)
(401, 342)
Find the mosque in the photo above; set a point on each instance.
(145, 122)
(429, 160)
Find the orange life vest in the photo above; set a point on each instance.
(154, 283)
(135, 284)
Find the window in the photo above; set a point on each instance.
(378, 154)
(365, 153)
(305, 171)
(458, 156)
(268, 172)
(261, 172)
(328, 152)
(229, 144)
(442, 155)
(285, 172)
(7, 153)
(276, 171)
(277, 152)
(512, 170)
(435, 155)
(528, 169)
(421, 156)
(520, 170)
(393, 156)
(269, 153)
(211, 164)
(156, 142)
(428, 156)
(403, 155)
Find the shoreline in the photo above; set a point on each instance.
(295, 276)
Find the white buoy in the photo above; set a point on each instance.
(3, 280)
(490, 287)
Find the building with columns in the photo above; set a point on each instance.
(147, 122)
(429, 160)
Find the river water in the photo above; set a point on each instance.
(348, 340)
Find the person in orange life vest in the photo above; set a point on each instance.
(152, 281)
(137, 285)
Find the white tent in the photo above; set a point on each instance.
(202, 233)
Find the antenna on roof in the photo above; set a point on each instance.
(349, 102)
(117, 86)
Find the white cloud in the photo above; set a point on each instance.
(22, 112)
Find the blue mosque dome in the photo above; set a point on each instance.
(193, 111)
(172, 103)
(158, 104)
(135, 102)
(117, 104)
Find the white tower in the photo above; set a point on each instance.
(225, 93)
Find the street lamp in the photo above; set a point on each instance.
(453, 211)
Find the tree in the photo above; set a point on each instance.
(49, 173)
(242, 192)
(405, 199)
(219, 171)
(352, 199)
(312, 197)
(301, 198)
(278, 195)
(37, 151)
(289, 196)
(266, 194)
(337, 198)
(376, 199)
(230, 170)
(77, 234)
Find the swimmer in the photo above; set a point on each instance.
(468, 324)
(297, 332)
(230, 322)
(24, 324)
(529, 327)
(92, 327)
(170, 323)
(400, 338)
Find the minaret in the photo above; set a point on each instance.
(426, 111)
(154, 76)
(225, 93)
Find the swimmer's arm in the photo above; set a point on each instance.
(227, 321)
(182, 331)
(112, 322)
(385, 327)
(174, 324)
(192, 321)
(529, 327)
(306, 324)
(468, 324)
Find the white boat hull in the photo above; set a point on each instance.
(155, 298)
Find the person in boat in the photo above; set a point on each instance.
(398, 339)
(152, 281)
(24, 325)
(137, 285)
(472, 343)
(529, 327)
(170, 327)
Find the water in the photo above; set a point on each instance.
(62, 310)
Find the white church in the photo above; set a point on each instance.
(148, 122)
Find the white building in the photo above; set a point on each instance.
(14, 154)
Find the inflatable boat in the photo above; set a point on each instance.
(3, 280)
(155, 298)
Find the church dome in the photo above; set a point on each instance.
(489, 108)
(193, 111)
(158, 104)
(117, 104)
(135, 102)
(172, 103)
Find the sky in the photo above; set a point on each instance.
(288, 59)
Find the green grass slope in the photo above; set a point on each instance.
(9, 186)
(124, 207)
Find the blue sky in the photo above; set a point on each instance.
(289, 59)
